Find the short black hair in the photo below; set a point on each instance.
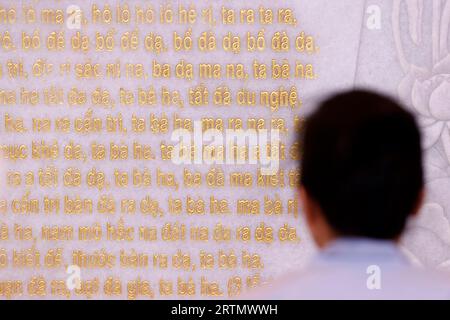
(361, 161)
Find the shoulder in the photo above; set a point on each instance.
(352, 283)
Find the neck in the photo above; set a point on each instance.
(350, 239)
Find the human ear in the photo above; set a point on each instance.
(307, 205)
(419, 202)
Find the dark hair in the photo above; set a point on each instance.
(362, 163)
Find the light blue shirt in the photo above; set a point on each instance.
(358, 268)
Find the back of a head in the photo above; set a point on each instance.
(362, 163)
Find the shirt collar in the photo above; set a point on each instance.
(353, 249)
